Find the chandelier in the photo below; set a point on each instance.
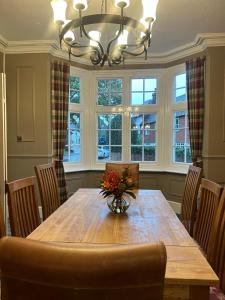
(117, 48)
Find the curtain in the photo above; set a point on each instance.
(60, 72)
(196, 98)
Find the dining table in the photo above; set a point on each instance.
(85, 220)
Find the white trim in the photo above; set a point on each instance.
(200, 43)
(175, 206)
(3, 43)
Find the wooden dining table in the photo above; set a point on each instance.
(85, 220)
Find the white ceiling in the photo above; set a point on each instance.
(178, 21)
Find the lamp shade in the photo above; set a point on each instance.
(95, 35)
(80, 4)
(59, 10)
(122, 3)
(122, 39)
(149, 9)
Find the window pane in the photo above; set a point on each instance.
(179, 119)
(150, 121)
(116, 121)
(74, 89)
(179, 137)
(74, 121)
(149, 153)
(189, 157)
(136, 121)
(103, 137)
(116, 153)
(109, 92)
(179, 154)
(136, 137)
(150, 84)
(136, 153)
(180, 88)
(103, 121)
(150, 98)
(149, 137)
(116, 137)
(137, 98)
(75, 153)
(103, 152)
(137, 85)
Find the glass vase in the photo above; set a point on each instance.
(118, 205)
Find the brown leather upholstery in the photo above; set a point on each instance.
(48, 187)
(2, 224)
(189, 201)
(33, 270)
(23, 208)
(216, 249)
(210, 193)
(133, 170)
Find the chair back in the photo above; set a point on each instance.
(23, 208)
(133, 170)
(2, 223)
(210, 193)
(54, 271)
(189, 201)
(216, 248)
(48, 187)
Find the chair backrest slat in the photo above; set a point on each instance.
(210, 193)
(48, 187)
(133, 170)
(23, 208)
(189, 201)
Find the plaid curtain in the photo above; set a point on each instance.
(196, 98)
(60, 97)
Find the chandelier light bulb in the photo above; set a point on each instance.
(69, 36)
(149, 9)
(122, 3)
(59, 10)
(80, 4)
(95, 35)
(122, 39)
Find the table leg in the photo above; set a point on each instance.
(199, 292)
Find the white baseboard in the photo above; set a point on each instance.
(175, 206)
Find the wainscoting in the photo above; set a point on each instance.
(171, 184)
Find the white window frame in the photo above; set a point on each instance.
(164, 108)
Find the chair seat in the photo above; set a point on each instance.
(216, 293)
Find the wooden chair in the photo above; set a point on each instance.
(210, 193)
(48, 187)
(23, 208)
(216, 248)
(133, 170)
(2, 224)
(55, 271)
(189, 201)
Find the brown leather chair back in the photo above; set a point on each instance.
(2, 224)
(216, 248)
(48, 187)
(38, 270)
(133, 170)
(210, 193)
(189, 201)
(23, 208)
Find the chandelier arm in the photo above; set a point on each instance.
(113, 40)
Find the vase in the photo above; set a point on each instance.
(118, 205)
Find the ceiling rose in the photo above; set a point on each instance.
(117, 48)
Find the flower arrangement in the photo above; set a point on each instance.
(115, 184)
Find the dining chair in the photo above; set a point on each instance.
(210, 193)
(50, 271)
(133, 170)
(189, 200)
(23, 208)
(216, 248)
(2, 223)
(48, 187)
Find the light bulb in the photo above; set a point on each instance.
(69, 36)
(95, 35)
(122, 3)
(80, 4)
(59, 10)
(149, 9)
(122, 39)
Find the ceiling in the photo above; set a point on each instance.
(178, 21)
